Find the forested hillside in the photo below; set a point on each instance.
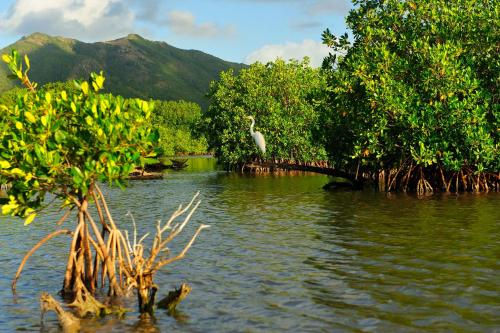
(136, 67)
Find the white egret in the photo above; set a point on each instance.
(257, 137)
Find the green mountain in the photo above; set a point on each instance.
(133, 66)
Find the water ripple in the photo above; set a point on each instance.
(283, 255)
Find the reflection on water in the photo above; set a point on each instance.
(283, 255)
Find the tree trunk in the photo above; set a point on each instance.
(146, 293)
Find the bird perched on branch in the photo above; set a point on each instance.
(257, 136)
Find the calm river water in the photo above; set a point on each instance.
(282, 255)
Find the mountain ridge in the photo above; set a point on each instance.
(133, 66)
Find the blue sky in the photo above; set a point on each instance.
(234, 30)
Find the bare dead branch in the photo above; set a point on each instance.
(135, 227)
(179, 212)
(183, 252)
(176, 230)
(143, 238)
(122, 240)
(129, 246)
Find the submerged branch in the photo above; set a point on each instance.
(67, 320)
(174, 297)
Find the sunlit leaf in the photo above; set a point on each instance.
(4, 164)
(29, 116)
(29, 219)
(6, 58)
(85, 87)
(27, 61)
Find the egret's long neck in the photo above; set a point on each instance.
(251, 126)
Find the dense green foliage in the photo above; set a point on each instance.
(283, 99)
(418, 88)
(135, 67)
(68, 86)
(176, 123)
(9, 97)
(62, 142)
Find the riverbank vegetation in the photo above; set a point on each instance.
(283, 97)
(415, 99)
(411, 102)
(177, 125)
(62, 144)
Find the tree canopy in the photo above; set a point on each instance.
(62, 142)
(418, 87)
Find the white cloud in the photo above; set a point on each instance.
(75, 18)
(184, 23)
(316, 51)
(92, 20)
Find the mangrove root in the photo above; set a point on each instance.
(122, 264)
(40, 243)
(85, 304)
(174, 297)
(67, 320)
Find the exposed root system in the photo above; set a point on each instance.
(436, 179)
(405, 177)
(106, 257)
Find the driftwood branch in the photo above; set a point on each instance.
(174, 297)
